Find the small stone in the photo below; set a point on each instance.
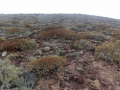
(92, 77)
(23, 64)
(91, 71)
(79, 69)
(4, 53)
(46, 49)
(81, 52)
(80, 79)
(103, 83)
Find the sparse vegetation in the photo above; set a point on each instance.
(34, 50)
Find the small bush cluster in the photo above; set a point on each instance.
(99, 37)
(13, 30)
(9, 76)
(15, 21)
(116, 38)
(111, 32)
(17, 32)
(84, 44)
(109, 51)
(1, 40)
(18, 44)
(28, 25)
(85, 35)
(100, 26)
(52, 27)
(57, 33)
(44, 65)
(12, 56)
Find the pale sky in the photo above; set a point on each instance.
(107, 8)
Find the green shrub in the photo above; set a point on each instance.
(100, 37)
(1, 40)
(111, 32)
(9, 75)
(12, 56)
(84, 44)
(17, 32)
(109, 51)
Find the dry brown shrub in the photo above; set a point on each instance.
(111, 32)
(13, 30)
(15, 21)
(18, 44)
(85, 35)
(28, 25)
(52, 27)
(81, 25)
(116, 38)
(99, 26)
(46, 64)
(57, 33)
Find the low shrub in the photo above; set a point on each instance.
(18, 44)
(57, 33)
(52, 27)
(100, 37)
(116, 38)
(84, 44)
(9, 75)
(17, 32)
(104, 51)
(74, 28)
(85, 35)
(13, 30)
(12, 56)
(44, 65)
(109, 51)
(28, 25)
(1, 40)
(111, 32)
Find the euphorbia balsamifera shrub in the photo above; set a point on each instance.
(47, 64)
(18, 44)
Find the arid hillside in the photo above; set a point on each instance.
(59, 52)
